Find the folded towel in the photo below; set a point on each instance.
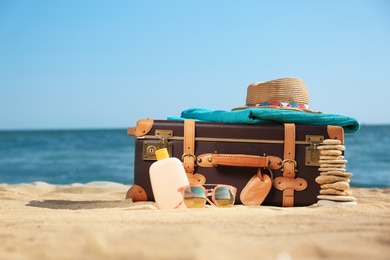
(269, 116)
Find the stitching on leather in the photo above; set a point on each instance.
(254, 161)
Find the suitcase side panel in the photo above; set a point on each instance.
(238, 176)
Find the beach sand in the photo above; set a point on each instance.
(95, 221)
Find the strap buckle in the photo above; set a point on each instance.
(290, 161)
(188, 155)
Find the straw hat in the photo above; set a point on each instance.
(284, 93)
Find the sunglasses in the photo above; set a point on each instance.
(195, 196)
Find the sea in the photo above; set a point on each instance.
(82, 156)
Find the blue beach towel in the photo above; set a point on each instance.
(269, 116)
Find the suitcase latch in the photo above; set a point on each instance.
(150, 146)
(312, 154)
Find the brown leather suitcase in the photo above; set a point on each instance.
(224, 153)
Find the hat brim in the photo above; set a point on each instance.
(304, 110)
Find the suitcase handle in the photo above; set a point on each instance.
(240, 160)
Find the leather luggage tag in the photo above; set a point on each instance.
(256, 190)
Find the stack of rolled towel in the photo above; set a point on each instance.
(334, 179)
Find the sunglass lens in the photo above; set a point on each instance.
(194, 197)
(224, 197)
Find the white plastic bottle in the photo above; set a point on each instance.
(167, 175)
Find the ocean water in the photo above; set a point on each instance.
(81, 156)
(64, 157)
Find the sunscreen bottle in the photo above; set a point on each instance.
(167, 175)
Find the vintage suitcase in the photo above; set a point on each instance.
(224, 153)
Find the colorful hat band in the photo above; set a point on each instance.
(279, 104)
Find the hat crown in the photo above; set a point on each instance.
(284, 90)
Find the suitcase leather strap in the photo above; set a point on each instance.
(288, 184)
(188, 156)
(241, 160)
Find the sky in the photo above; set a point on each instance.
(106, 64)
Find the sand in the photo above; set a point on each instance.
(94, 221)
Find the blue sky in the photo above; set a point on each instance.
(106, 64)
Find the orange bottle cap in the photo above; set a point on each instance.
(162, 153)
